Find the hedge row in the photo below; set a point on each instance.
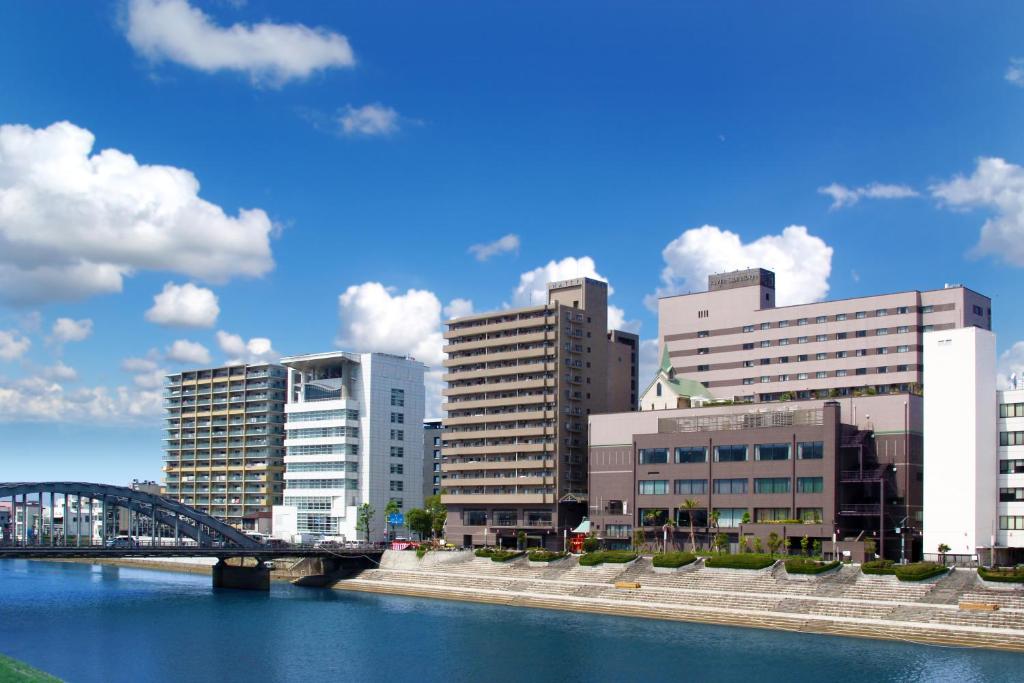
(740, 561)
(876, 567)
(674, 560)
(611, 556)
(917, 571)
(541, 555)
(1002, 575)
(498, 555)
(802, 565)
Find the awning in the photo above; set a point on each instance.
(583, 528)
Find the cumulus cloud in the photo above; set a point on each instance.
(13, 344)
(239, 351)
(532, 289)
(458, 308)
(42, 399)
(184, 306)
(74, 224)
(802, 262)
(271, 54)
(138, 365)
(648, 362)
(848, 196)
(1015, 72)
(617, 320)
(369, 120)
(998, 186)
(502, 245)
(378, 318)
(60, 372)
(185, 351)
(68, 330)
(1011, 361)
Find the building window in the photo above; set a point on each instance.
(398, 397)
(397, 435)
(700, 368)
(821, 374)
(747, 346)
(1011, 438)
(881, 331)
(691, 454)
(731, 486)
(840, 316)
(770, 514)
(902, 349)
(653, 487)
(882, 350)
(730, 518)
(748, 363)
(748, 380)
(821, 319)
(861, 371)
(1011, 467)
(902, 329)
(1011, 522)
(801, 375)
(841, 335)
(1011, 495)
(736, 453)
(783, 359)
(842, 354)
(1011, 410)
(927, 328)
(801, 321)
(809, 484)
(653, 516)
(861, 314)
(860, 352)
(701, 334)
(397, 468)
(801, 340)
(685, 487)
(398, 451)
(902, 368)
(809, 515)
(618, 531)
(397, 485)
(538, 518)
(506, 518)
(783, 323)
(698, 515)
(860, 334)
(653, 456)
(783, 342)
(840, 373)
(765, 344)
(397, 418)
(771, 485)
(766, 326)
(765, 379)
(881, 311)
(474, 517)
(927, 309)
(772, 451)
(810, 450)
(820, 356)
(821, 337)
(748, 328)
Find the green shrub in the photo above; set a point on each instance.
(541, 555)
(879, 567)
(740, 561)
(919, 571)
(421, 551)
(801, 565)
(505, 555)
(590, 544)
(610, 556)
(1015, 575)
(674, 560)
(483, 552)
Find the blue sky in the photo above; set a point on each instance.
(372, 145)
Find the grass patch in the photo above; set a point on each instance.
(803, 565)
(674, 560)
(12, 670)
(740, 561)
(610, 556)
(879, 567)
(919, 571)
(1015, 575)
(541, 555)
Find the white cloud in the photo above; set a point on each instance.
(802, 262)
(60, 372)
(68, 330)
(74, 224)
(368, 120)
(184, 306)
(458, 308)
(139, 365)
(272, 54)
(502, 245)
(1011, 361)
(46, 400)
(533, 290)
(13, 345)
(1015, 72)
(185, 351)
(240, 351)
(617, 320)
(998, 186)
(648, 362)
(376, 318)
(848, 196)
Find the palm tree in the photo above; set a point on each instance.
(690, 505)
(943, 549)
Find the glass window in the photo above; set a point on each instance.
(618, 531)
(1011, 410)
(397, 468)
(748, 328)
(841, 335)
(686, 454)
(772, 451)
(821, 374)
(821, 337)
(747, 346)
(771, 514)
(653, 456)
(736, 453)
(765, 344)
(783, 323)
(821, 319)
(397, 418)
(840, 373)
(902, 310)
(732, 486)
(783, 342)
(700, 517)
(653, 516)
(685, 487)
(840, 316)
(396, 434)
(1011, 522)
(810, 450)
(771, 485)
(653, 487)
(730, 517)
(927, 309)
(766, 326)
(701, 334)
(809, 515)
(809, 484)
(820, 356)
(1011, 438)
(861, 314)
(801, 321)
(538, 518)
(1011, 467)
(397, 485)
(398, 397)
(801, 340)
(475, 517)
(397, 451)
(1011, 495)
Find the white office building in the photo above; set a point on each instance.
(1011, 476)
(353, 435)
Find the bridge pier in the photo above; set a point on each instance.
(241, 577)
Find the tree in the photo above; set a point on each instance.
(419, 522)
(746, 517)
(364, 518)
(817, 547)
(804, 544)
(758, 547)
(438, 514)
(774, 541)
(713, 517)
(870, 547)
(721, 542)
(638, 539)
(943, 549)
(690, 505)
(391, 508)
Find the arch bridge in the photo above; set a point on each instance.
(86, 520)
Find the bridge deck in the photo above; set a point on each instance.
(99, 552)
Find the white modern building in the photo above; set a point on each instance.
(353, 435)
(1011, 475)
(960, 463)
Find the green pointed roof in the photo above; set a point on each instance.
(680, 386)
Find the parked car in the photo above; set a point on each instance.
(277, 543)
(122, 542)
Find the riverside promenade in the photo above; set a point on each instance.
(941, 611)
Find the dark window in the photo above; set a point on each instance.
(731, 453)
(809, 484)
(691, 454)
(685, 487)
(475, 517)
(1012, 495)
(811, 450)
(699, 515)
(653, 516)
(771, 485)
(772, 451)
(1011, 438)
(653, 487)
(1011, 467)
(730, 486)
(653, 456)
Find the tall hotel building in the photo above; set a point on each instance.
(737, 343)
(520, 385)
(354, 435)
(224, 450)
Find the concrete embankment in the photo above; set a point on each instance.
(845, 603)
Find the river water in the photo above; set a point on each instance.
(97, 623)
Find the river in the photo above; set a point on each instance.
(99, 623)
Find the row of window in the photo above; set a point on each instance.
(660, 487)
(1011, 410)
(323, 467)
(325, 449)
(727, 517)
(839, 336)
(824, 374)
(398, 397)
(1011, 438)
(397, 485)
(1011, 522)
(398, 418)
(806, 450)
(322, 415)
(1011, 467)
(1011, 495)
(822, 355)
(321, 432)
(350, 484)
(839, 317)
(506, 518)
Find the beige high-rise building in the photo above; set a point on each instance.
(520, 384)
(225, 439)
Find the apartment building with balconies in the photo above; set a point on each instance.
(432, 457)
(224, 439)
(520, 384)
(353, 436)
(742, 347)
